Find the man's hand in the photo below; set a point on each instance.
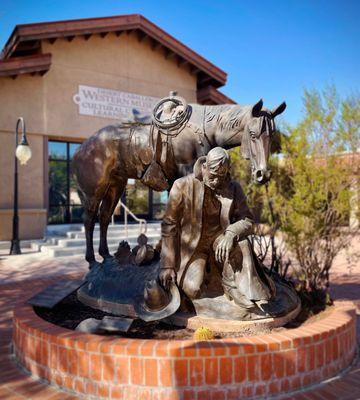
(224, 247)
(166, 276)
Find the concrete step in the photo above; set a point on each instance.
(111, 240)
(58, 251)
(36, 245)
(131, 227)
(62, 240)
(61, 229)
(115, 233)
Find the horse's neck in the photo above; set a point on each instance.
(219, 125)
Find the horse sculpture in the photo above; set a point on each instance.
(105, 161)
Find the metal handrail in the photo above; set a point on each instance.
(142, 222)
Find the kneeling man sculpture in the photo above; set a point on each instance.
(205, 229)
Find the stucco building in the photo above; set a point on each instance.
(70, 78)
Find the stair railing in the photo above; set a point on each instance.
(142, 222)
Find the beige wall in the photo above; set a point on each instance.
(23, 96)
(46, 103)
(32, 223)
(31, 175)
(119, 63)
(32, 210)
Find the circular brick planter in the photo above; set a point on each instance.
(118, 368)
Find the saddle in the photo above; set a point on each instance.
(169, 117)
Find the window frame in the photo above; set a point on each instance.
(68, 217)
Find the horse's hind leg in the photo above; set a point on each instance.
(90, 214)
(107, 208)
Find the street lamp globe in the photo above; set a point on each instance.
(23, 153)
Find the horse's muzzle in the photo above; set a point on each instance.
(261, 176)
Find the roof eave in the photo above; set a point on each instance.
(49, 30)
(25, 65)
(210, 95)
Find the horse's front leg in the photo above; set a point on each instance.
(107, 208)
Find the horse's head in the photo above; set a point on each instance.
(255, 146)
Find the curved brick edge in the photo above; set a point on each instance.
(119, 368)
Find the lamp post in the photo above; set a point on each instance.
(23, 154)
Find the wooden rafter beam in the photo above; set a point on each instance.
(169, 55)
(194, 70)
(155, 45)
(182, 62)
(140, 35)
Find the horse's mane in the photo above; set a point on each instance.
(231, 116)
(227, 116)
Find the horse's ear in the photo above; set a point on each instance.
(255, 112)
(278, 110)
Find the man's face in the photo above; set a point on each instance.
(216, 177)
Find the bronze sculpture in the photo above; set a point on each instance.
(163, 151)
(206, 266)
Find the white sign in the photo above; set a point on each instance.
(113, 104)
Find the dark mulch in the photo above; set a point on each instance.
(70, 312)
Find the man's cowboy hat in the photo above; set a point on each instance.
(157, 303)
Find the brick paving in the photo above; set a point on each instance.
(21, 276)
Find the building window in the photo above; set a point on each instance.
(159, 204)
(64, 202)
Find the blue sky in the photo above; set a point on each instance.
(270, 49)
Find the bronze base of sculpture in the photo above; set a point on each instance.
(219, 306)
(118, 289)
(222, 315)
(218, 325)
(115, 288)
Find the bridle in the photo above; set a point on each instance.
(269, 128)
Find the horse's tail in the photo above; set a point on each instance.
(75, 174)
(83, 198)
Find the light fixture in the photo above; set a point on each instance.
(23, 154)
(23, 151)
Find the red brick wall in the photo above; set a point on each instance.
(110, 367)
